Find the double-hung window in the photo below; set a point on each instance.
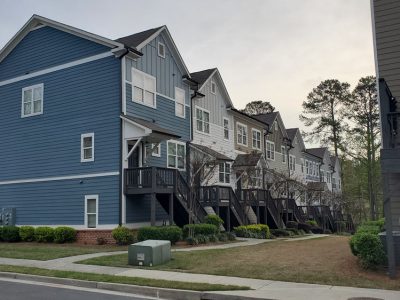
(144, 88)
(179, 102)
(225, 172)
(307, 167)
(32, 100)
(202, 120)
(256, 139)
(213, 88)
(161, 50)
(283, 152)
(241, 134)
(270, 150)
(226, 129)
(176, 155)
(156, 150)
(87, 147)
(292, 163)
(91, 211)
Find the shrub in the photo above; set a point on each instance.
(64, 234)
(231, 236)
(304, 226)
(312, 223)
(196, 229)
(168, 233)
(294, 230)
(280, 232)
(379, 223)
(222, 237)
(327, 231)
(302, 232)
(340, 226)
(316, 229)
(203, 239)
(214, 220)
(192, 241)
(213, 238)
(292, 224)
(10, 234)
(370, 250)
(27, 233)
(44, 234)
(123, 235)
(258, 231)
(368, 229)
(352, 243)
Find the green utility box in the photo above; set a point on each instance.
(149, 253)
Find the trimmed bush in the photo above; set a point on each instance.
(292, 224)
(27, 233)
(258, 231)
(168, 233)
(294, 230)
(214, 220)
(302, 232)
(280, 232)
(370, 250)
(232, 236)
(379, 223)
(44, 234)
(203, 239)
(352, 243)
(312, 223)
(192, 241)
(123, 235)
(222, 237)
(213, 238)
(64, 234)
(304, 226)
(196, 229)
(368, 229)
(10, 234)
(317, 230)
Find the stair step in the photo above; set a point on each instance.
(251, 215)
(210, 211)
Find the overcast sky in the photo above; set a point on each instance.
(265, 50)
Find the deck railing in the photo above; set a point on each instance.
(150, 178)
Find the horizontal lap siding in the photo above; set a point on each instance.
(44, 48)
(78, 100)
(61, 202)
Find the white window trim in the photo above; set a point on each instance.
(184, 162)
(213, 83)
(283, 154)
(223, 126)
(158, 49)
(258, 131)
(133, 89)
(293, 157)
(82, 150)
(224, 172)
(272, 151)
(209, 117)
(159, 150)
(184, 102)
(87, 197)
(247, 134)
(32, 87)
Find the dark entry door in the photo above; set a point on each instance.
(133, 161)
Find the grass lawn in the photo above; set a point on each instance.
(323, 261)
(123, 279)
(39, 251)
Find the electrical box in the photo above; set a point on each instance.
(149, 253)
(8, 216)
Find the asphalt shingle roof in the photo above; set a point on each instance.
(211, 152)
(136, 39)
(319, 152)
(152, 126)
(267, 118)
(291, 132)
(247, 160)
(202, 76)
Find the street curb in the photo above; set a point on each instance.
(155, 292)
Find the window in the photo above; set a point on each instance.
(213, 87)
(225, 172)
(32, 101)
(322, 176)
(91, 211)
(334, 182)
(339, 184)
(256, 178)
(87, 147)
(283, 152)
(307, 167)
(202, 120)
(176, 155)
(256, 139)
(292, 163)
(275, 126)
(161, 50)
(328, 177)
(270, 150)
(226, 129)
(241, 134)
(144, 88)
(156, 150)
(179, 102)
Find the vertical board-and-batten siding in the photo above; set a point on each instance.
(46, 47)
(81, 99)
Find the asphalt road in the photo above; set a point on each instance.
(23, 290)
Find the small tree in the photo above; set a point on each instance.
(258, 107)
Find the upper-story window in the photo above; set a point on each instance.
(87, 147)
(334, 182)
(32, 100)
(256, 139)
(161, 50)
(270, 150)
(176, 155)
(226, 129)
(241, 134)
(275, 126)
(225, 172)
(322, 176)
(308, 167)
(202, 120)
(302, 165)
(283, 152)
(213, 87)
(156, 150)
(144, 88)
(292, 163)
(179, 102)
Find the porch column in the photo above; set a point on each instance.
(228, 218)
(171, 209)
(153, 209)
(258, 214)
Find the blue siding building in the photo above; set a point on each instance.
(78, 109)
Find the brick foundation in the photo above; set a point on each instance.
(89, 237)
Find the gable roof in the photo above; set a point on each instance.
(247, 160)
(202, 76)
(207, 150)
(319, 152)
(36, 21)
(291, 132)
(141, 39)
(267, 118)
(247, 116)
